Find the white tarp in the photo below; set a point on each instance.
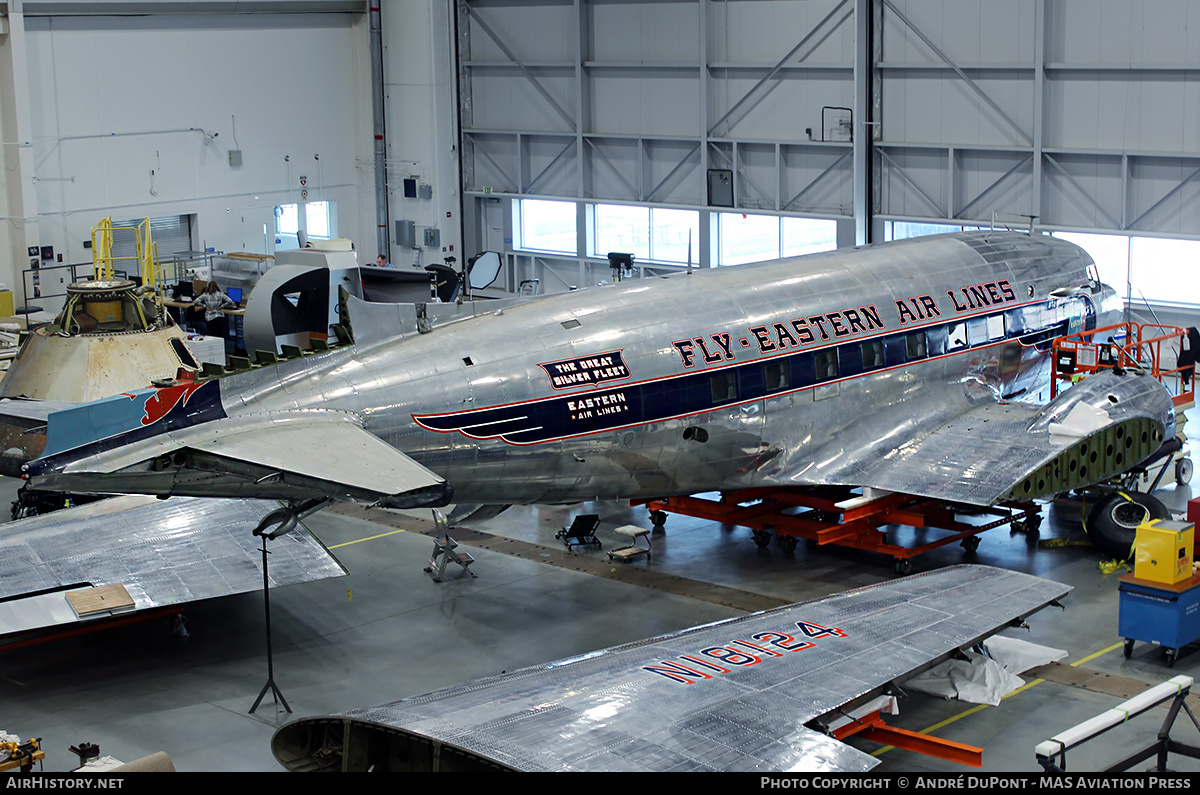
(985, 678)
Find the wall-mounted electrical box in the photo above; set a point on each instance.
(433, 237)
(406, 234)
(235, 157)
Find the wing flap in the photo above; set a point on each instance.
(279, 455)
(164, 552)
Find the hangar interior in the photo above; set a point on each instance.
(689, 133)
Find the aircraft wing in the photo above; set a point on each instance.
(984, 452)
(736, 695)
(276, 455)
(162, 552)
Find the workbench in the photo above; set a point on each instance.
(1154, 612)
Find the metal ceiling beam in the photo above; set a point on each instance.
(778, 66)
(1168, 195)
(1115, 224)
(818, 178)
(959, 213)
(909, 181)
(679, 165)
(529, 188)
(973, 85)
(616, 172)
(524, 69)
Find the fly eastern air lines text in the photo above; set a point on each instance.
(768, 338)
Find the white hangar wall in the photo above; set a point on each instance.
(98, 95)
(122, 108)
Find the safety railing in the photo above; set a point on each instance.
(1150, 347)
(146, 256)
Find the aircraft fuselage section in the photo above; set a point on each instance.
(693, 382)
(794, 371)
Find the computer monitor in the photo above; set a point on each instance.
(235, 294)
(185, 289)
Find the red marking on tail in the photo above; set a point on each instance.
(164, 399)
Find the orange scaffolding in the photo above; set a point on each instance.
(1138, 346)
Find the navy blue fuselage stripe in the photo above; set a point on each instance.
(597, 410)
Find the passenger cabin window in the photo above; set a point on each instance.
(724, 386)
(775, 375)
(825, 364)
(872, 354)
(957, 336)
(915, 344)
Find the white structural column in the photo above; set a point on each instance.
(18, 195)
(863, 130)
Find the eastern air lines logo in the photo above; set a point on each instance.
(586, 370)
(159, 404)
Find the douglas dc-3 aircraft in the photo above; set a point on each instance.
(900, 366)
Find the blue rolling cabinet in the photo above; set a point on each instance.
(1154, 612)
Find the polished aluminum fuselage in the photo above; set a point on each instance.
(818, 431)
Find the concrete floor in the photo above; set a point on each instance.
(387, 630)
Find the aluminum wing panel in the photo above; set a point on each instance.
(734, 695)
(990, 451)
(329, 446)
(164, 552)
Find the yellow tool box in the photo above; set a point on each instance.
(1163, 551)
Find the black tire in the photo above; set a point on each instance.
(1112, 524)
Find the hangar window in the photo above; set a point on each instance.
(545, 225)
(724, 386)
(319, 222)
(747, 238)
(899, 230)
(1155, 269)
(655, 234)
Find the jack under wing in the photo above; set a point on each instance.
(744, 694)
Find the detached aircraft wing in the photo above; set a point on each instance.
(736, 695)
(133, 553)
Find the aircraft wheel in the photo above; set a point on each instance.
(762, 538)
(1113, 522)
(787, 544)
(1183, 471)
(903, 566)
